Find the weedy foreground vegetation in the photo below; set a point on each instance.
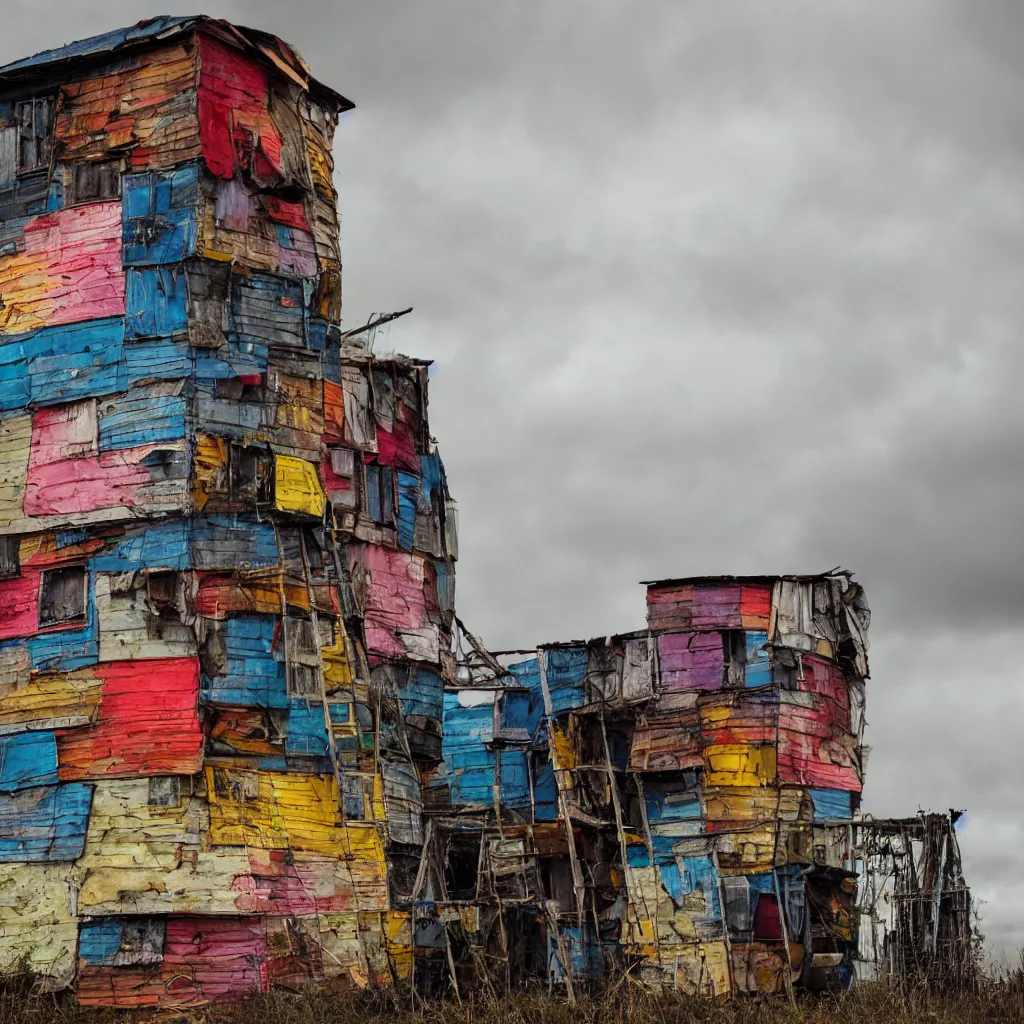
(996, 1001)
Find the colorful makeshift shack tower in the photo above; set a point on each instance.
(226, 543)
(675, 803)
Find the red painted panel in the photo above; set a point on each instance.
(397, 448)
(235, 126)
(824, 678)
(334, 411)
(147, 725)
(755, 605)
(670, 607)
(19, 606)
(292, 215)
(124, 987)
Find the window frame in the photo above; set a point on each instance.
(75, 622)
(43, 143)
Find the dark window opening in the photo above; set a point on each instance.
(251, 475)
(91, 182)
(379, 494)
(734, 643)
(164, 791)
(62, 596)
(35, 134)
(235, 785)
(10, 559)
(162, 588)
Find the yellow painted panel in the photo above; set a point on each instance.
(61, 698)
(15, 441)
(297, 486)
(206, 882)
(739, 764)
(210, 468)
(274, 810)
(125, 831)
(37, 903)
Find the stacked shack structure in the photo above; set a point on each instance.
(226, 542)
(245, 742)
(672, 803)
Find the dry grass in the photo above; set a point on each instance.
(999, 1002)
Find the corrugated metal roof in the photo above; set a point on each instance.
(269, 49)
(107, 42)
(798, 578)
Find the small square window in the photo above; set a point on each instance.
(92, 181)
(163, 589)
(164, 791)
(343, 462)
(62, 596)
(252, 474)
(10, 561)
(238, 786)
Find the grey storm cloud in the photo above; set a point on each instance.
(711, 288)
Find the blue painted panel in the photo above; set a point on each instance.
(159, 216)
(255, 675)
(566, 670)
(99, 940)
(423, 694)
(759, 669)
(27, 759)
(238, 359)
(138, 418)
(763, 883)
(156, 359)
(697, 874)
(307, 734)
(408, 495)
(445, 586)
(45, 824)
(232, 542)
(583, 951)
(670, 804)
(431, 474)
(62, 364)
(470, 764)
(515, 779)
(831, 803)
(545, 793)
(163, 545)
(268, 309)
(156, 301)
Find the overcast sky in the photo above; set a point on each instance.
(711, 288)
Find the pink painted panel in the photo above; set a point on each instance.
(67, 475)
(300, 889)
(823, 677)
(19, 606)
(213, 958)
(395, 596)
(691, 661)
(69, 270)
(813, 752)
(716, 605)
